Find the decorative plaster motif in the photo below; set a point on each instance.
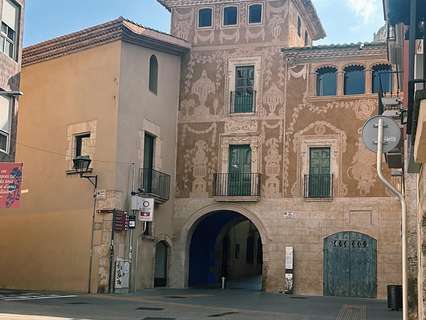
(363, 168)
(298, 74)
(240, 126)
(204, 36)
(234, 36)
(272, 169)
(254, 35)
(183, 23)
(276, 17)
(202, 88)
(273, 98)
(200, 169)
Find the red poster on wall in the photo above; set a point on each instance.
(10, 184)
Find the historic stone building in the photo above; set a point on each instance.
(11, 20)
(269, 132)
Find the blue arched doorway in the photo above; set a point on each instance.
(225, 244)
(350, 265)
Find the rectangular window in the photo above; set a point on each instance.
(255, 13)
(9, 28)
(5, 122)
(82, 144)
(205, 17)
(319, 178)
(230, 16)
(244, 94)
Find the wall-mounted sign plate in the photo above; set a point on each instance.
(391, 133)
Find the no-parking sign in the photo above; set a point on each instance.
(146, 212)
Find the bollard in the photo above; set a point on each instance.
(223, 282)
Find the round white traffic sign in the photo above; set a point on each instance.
(391, 133)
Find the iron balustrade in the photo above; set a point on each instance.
(243, 101)
(236, 184)
(154, 183)
(318, 186)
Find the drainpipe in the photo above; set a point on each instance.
(403, 214)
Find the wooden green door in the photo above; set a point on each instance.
(350, 265)
(239, 170)
(244, 94)
(319, 173)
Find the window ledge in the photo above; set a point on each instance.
(343, 97)
(74, 171)
(318, 199)
(237, 198)
(242, 114)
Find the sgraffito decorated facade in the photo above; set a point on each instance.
(256, 86)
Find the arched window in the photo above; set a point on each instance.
(153, 74)
(299, 27)
(354, 80)
(306, 38)
(382, 78)
(326, 81)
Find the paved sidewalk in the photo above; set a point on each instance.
(168, 304)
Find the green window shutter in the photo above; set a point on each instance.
(319, 173)
(244, 89)
(239, 170)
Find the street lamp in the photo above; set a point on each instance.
(11, 93)
(81, 165)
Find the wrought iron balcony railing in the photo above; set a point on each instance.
(155, 184)
(318, 186)
(243, 101)
(236, 184)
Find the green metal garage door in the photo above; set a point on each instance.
(350, 265)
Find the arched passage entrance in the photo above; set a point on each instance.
(225, 244)
(350, 265)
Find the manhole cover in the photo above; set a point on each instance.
(300, 298)
(156, 318)
(222, 314)
(150, 308)
(78, 302)
(176, 297)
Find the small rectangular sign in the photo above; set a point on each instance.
(10, 184)
(146, 212)
(419, 46)
(289, 258)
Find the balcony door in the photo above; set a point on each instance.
(148, 161)
(319, 173)
(244, 89)
(239, 180)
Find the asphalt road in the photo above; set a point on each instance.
(169, 304)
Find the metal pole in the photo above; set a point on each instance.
(403, 214)
(89, 289)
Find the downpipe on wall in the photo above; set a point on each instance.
(403, 218)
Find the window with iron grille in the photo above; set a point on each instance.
(318, 182)
(9, 28)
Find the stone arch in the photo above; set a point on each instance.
(184, 239)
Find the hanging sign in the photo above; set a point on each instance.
(10, 184)
(146, 212)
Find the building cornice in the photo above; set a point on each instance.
(306, 54)
(117, 30)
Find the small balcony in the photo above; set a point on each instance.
(318, 186)
(243, 101)
(154, 184)
(236, 186)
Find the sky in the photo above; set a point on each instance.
(344, 21)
